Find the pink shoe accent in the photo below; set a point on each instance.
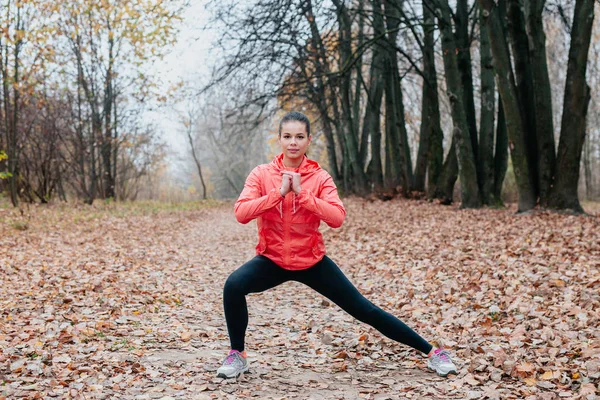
(230, 357)
(443, 356)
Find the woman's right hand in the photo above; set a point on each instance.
(286, 185)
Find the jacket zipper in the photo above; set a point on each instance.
(286, 231)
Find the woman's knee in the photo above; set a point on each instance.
(235, 284)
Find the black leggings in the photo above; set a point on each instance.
(260, 274)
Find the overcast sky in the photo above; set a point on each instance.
(187, 61)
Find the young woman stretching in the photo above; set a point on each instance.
(289, 198)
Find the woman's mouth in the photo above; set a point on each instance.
(293, 150)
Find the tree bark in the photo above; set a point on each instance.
(321, 68)
(392, 146)
(196, 159)
(575, 106)
(486, 120)
(524, 82)
(510, 102)
(107, 139)
(357, 82)
(587, 168)
(423, 150)
(355, 168)
(435, 153)
(372, 121)
(467, 168)
(12, 104)
(544, 125)
(430, 155)
(400, 154)
(501, 155)
(463, 56)
(444, 190)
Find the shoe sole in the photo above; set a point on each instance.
(451, 372)
(222, 375)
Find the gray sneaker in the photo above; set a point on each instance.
(233, 366)
(441, 363)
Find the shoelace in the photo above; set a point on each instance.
(444, 355)
(230, 358)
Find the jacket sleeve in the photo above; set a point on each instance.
(251, 204)
(327, 206)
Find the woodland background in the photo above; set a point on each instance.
(480, 102)
(430, 115)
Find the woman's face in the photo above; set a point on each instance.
(294, 140)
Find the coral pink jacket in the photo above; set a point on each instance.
(288, 228)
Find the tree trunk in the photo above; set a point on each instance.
(544, 125)
(510, 102)
(524, 82)
(486, 120)
(321, 68)
(501, 155)
(444, 190)
(402, 165)
(372, 121)
(430, 154)
(355, 168)
(423, 150)
(11, 107)
(587, 168)
(463, 57)
(107, 139)
(392, 163)
(467, 168)
(577, 97)
(196, 161)
(358, 81)
(435, 135)
(116, 146)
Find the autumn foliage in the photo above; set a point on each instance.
(124, 301)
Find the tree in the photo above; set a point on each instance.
(515, 125)
(528, 108)
(22, 51)
(488, 108)
(466, 160)
(351, 61)
(575, 106)
(189, 123)
(108, 42)
(542, 107)
(430, 155)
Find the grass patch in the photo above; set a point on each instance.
(19, 225)
(43, 217)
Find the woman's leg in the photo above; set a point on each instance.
(326, 278)
(257, 275)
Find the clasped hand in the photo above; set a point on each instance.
(290, 182)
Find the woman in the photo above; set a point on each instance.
(289, 197)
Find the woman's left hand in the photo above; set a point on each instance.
(296, 187)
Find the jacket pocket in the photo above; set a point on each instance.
(262, 242)
(317, 246)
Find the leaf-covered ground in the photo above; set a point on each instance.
(125, 302)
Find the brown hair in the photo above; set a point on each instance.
(295, 116)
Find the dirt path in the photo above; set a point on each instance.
(105, 305)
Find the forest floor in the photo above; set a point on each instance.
(125, 301)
